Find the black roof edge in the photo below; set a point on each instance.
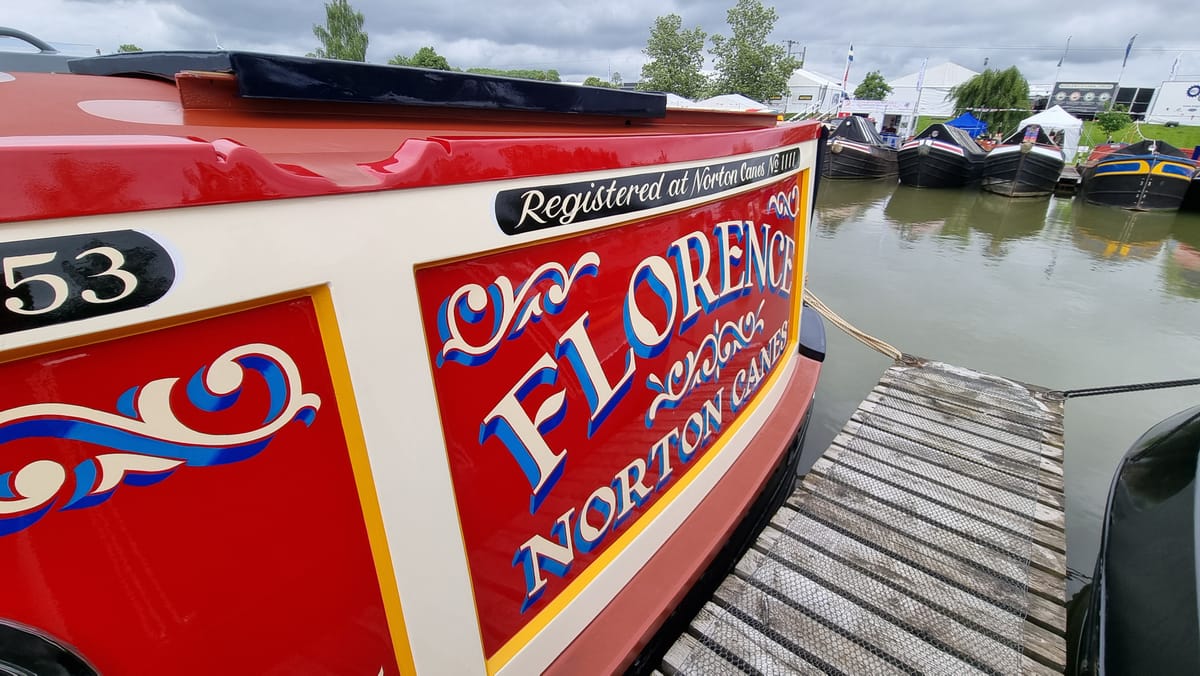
(295, 78)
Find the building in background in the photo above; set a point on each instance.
(811, 94)
(914, 95)
(1176, 102)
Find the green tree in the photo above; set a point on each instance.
(128, 48)
(998, 97)
(1112, 121)
(543, 75)
(676, 56)
(342, 36)
(426, 57)
(594, 81)
(872, 88)
(745, 62)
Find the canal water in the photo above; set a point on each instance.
(1050, 291)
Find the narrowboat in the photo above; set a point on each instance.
(1191, 199)
(941, 156)
(327, 367)
(855, 150)
(1139, 613)
(1149, 175)
(1026, 164)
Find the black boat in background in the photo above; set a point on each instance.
(1026, 164)
(1191, 200)
(1148, 175)
(1142, 615)
(941, 157)
(855, 150)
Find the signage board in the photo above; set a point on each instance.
(1083, 97)
(580, 380)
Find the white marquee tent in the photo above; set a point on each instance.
(934, 92)
(733, 102)
(908, 101)
(1057, 119)
(812, 93)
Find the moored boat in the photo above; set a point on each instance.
(855, 150)
(1140, 611)
(1149, 175)
(1191, 199)
(327, 367)
(1026, 164)
(941, 156)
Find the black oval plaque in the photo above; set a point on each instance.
(63, 279)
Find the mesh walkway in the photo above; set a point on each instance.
(929, 539)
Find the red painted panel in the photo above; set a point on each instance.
(571, 404)
(233, 541)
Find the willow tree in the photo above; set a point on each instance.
(998, 97)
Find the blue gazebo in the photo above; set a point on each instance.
(969, 123)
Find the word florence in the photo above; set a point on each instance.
(677, 290)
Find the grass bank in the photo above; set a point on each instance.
(1180, 137)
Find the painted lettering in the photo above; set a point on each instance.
(538, 555)
(602, 396)
(696, 292)
(647, 340)
(522, 435)
(631, 488)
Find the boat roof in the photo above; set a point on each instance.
(1147, 147)
(858, 129)
(1019, 135)
(956, 135)
(290, 78)
(303, 126)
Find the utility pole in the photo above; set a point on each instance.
(787, 97)
(803, 51)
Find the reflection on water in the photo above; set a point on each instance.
(1051, 291)
(847, 200)
(1000, 220)
(960, 215)
(1117, 234)
(1181, 273)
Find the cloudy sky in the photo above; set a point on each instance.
(585, 37)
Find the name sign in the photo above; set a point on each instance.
(580, 380)
(528, 209)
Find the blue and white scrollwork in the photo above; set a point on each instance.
(703, 364)
(510, 310)
(147, 437)
(785, 205)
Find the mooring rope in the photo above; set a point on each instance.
(888, 350)
(862, 337)
(1121, 389)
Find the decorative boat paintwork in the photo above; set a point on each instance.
(1026, 164)
(317, 367)
(941, 156)
(855, 150)
(1148, 175)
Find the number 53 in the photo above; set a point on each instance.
(58, 285)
